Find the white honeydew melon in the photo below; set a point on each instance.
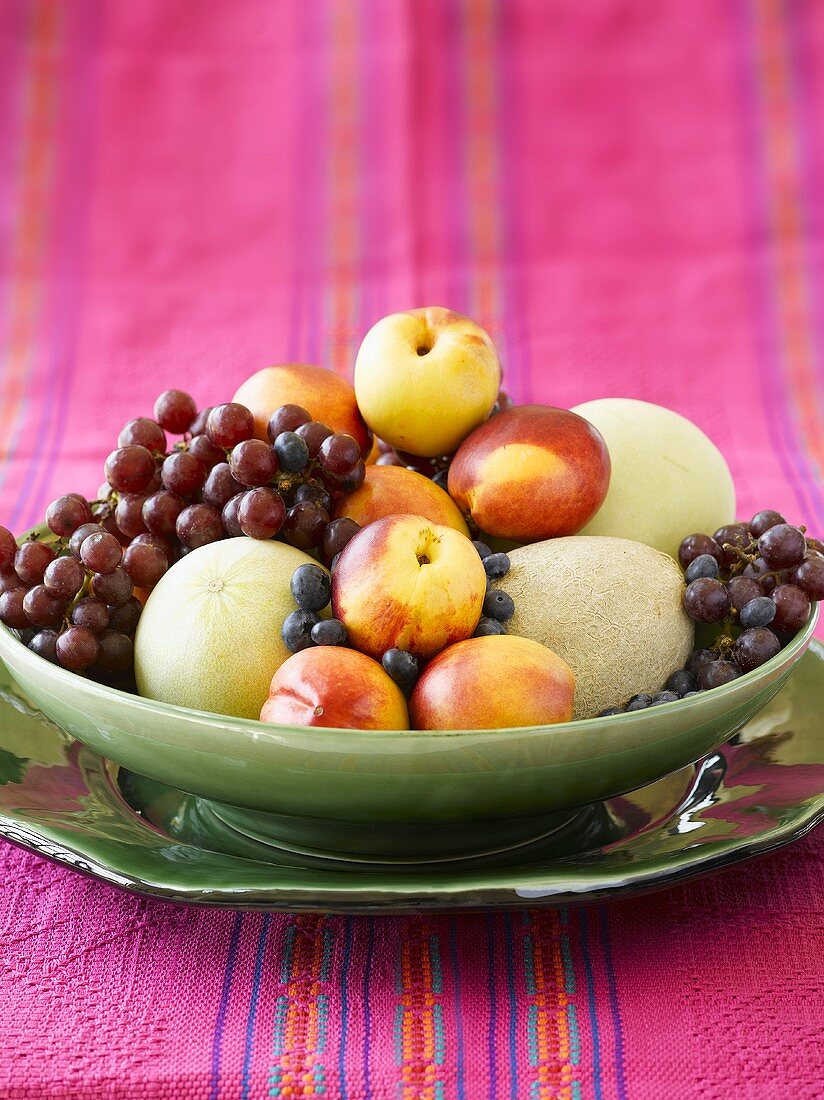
(668, 478)
(611, 608)
(209, 636)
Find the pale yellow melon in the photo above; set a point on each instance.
(668, 478)
(209, 636)
(611, 608)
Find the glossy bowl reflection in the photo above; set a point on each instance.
(396, 777)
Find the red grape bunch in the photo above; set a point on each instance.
(756, 583)
(74, 593)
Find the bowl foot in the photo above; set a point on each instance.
(279, 838)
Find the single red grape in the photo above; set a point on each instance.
(792, 606)
(80, 535)
(337, 536)
(230, 424)
(315, 492)
(8, 549)
(199, 524)
(64, 577)
(809, 576)
(229, 516)
(198, 425)
(116, 653)
(12, 612)
(288, 418)
(77, 648)
(183, 473)
(717, 673)
(312, 434)
(175, 410)
(42, 608)
(160, 512)
(145, 564)
(706, 600)
(164, 545)
(260, 513)
(92, 613)
(742, 590)
(203, 448)
(339, 454)
(66, 514)
(253, 463)
(129, 514)
(736, 536)
(31, 560)
(763, 521)
(782, 546)
(130, 469)
(304, 525)
(755, 647)
(143, 432)
(113, 588)
(44, 644)
(101, 552)
(126, 617)
(693, 546)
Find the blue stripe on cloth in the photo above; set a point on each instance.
(615, 1012)
(459, 1030)
(253, 1005)
(598, 1091)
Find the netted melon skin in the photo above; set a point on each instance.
(611, 608)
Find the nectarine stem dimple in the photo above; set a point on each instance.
(423, 559)
(422, 349)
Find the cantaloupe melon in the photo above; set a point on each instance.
(611, 608)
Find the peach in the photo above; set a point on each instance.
(408, 583)
(394, 490)
(425, 378)
(334, 687)
(493, 682)
(324, 394)
(532, 472)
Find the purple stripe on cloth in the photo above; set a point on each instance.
(64, 280)
(251, 1019)
(764, 313)
(594, 1026)
(225, 993)
(455, 966)
(614, 1007)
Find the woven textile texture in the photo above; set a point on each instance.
(628, 195)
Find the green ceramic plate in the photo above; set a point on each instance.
(763, 789)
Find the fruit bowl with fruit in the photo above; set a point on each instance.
(352, 622)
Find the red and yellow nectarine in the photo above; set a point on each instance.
(493, 682)
(532, 472)
(408, 583)
(335, 687)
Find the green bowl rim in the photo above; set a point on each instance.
(785, 656)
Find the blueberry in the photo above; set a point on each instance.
(639, 702)
(488, 626)
(681, 682)
(329, 632)
(704, 565)
(497, 566)
(758, 612)
(401, 666)
(482, 548)
(664, 697)
(311, 587)
(292, 452)
(297, 630)
(609, 711)
(499, 605)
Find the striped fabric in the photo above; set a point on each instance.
(629, 197)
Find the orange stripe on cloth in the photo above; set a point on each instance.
(31, 232)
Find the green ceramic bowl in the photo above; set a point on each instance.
(413, 793)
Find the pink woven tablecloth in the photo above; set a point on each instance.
(628, 195)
